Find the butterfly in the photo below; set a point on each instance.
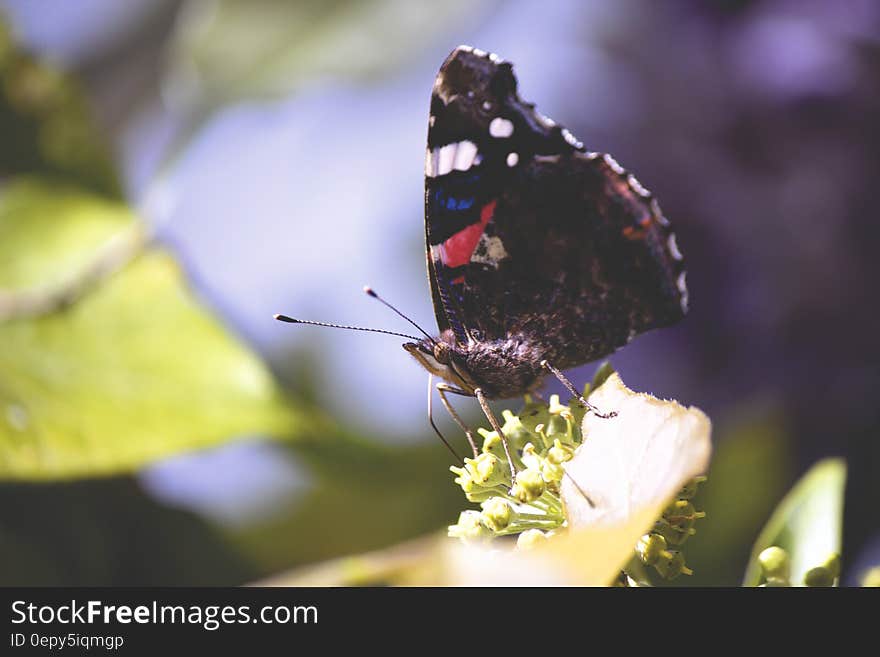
(541, 255)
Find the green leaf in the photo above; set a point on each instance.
(808, 523)
(134, 371)
(49, 230)
(231, 49)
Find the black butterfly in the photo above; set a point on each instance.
(541, 255)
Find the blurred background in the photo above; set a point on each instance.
(277, 150)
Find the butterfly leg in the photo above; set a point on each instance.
(431, 417)
(442, 389)
(568, 384)
(478, 393)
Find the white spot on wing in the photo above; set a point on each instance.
(500, 128)
(591, 155)
(615, 167)
(658, 213)
(431, 120)
(465, 155)
(673, 247)
(546, 121)
(512, 159)
(446, 159)
(637, 187)
(571, 139)
(681, 284)
(430, 164)
(479, 53)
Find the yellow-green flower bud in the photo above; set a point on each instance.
(496, 513)
(487, 470)
(560, 453)
(650, 548)
(557, 428)
(530, 538)
(469, 527)
(529, 485)
(530, 457)
(832, 563)
(690, 488)
(775, 563)
(552, 472)
(671, 564)
(555, 407)
(818, 576)
(533, 414)
(674, 535)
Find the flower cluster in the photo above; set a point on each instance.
(661, 547)
(543, 437)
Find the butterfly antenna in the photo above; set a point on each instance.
(370, 291)
(291, 320)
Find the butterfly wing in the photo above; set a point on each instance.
(531, 236)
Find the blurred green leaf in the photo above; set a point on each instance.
(134, 371)
(108, 532)
(46, 125)
(225, 50)
(750, 471)
(808, 523)
(49, 229)
(365, 496)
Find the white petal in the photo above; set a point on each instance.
(631, 466)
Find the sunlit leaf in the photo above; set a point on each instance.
(808, 523)
(134, 371)
(49, 230)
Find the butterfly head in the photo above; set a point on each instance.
(441, 358)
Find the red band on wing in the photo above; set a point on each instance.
(459, 248)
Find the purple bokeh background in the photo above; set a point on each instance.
(755, 124)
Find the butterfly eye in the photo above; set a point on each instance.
(441, 353)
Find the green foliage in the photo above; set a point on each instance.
(808, 526)
(363, 496)
(134, 371)
(268, 48)
(103, 532)
(45, 124)
(750, 470)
